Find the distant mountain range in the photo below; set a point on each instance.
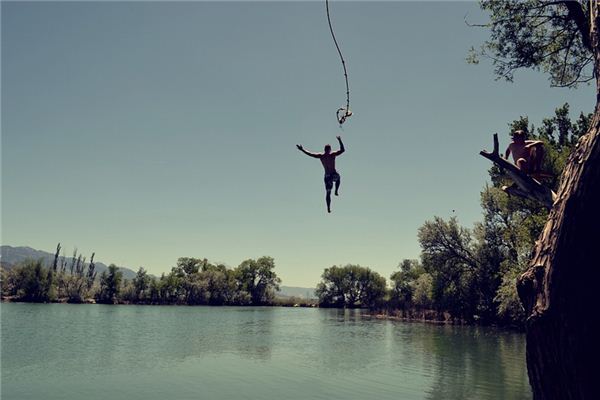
(9, 256)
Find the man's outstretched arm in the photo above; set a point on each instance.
(342, 149)
(308, 153)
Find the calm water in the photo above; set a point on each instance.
(61, 351)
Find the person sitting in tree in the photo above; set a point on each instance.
(331, 175)
(527, 154)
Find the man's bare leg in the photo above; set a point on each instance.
(337, 186)
(328, 200)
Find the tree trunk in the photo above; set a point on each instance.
(559, 290)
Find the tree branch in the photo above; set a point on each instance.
(525, 186)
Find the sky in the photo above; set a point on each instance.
(149, 131)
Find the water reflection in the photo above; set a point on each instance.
(190, 332)
(465, 362)
(254, 333)
(348, 342)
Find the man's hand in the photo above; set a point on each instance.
(342, 149)
(299, 146)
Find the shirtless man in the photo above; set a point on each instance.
(527, 154)
(328, 160)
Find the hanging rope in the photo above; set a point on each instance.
(342, 113)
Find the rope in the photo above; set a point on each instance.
(346, 111)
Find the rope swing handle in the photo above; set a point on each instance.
(342, 113)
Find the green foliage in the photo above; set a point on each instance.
(256, 281)
(332, 289)
(412, 287)
(423, 291)
(195, 281)
(5, 285)
(448, 255)
(404, 282)
(74, 287)
(192, 281)
(351, 286)
(110, 285)
(551, 36)
(141, 285)
(196, 289)
(190, 266)
(221, 284)
(30, 281)
(510, 309)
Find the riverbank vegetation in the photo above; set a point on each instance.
(192, 281)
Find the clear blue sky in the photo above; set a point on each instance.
(151, 131)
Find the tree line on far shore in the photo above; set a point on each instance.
(192, 281)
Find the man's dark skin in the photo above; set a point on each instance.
(331, 175)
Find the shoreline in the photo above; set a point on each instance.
(427, 318)
(282, 303)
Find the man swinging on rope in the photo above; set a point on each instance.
(328, 160)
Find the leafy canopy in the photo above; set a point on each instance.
(551, 36)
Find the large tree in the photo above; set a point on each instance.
(560, 38)
(448, 255)
(350, 286)
(256, 280)
(110, 285)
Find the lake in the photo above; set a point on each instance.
(63, 351)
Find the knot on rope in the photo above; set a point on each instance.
(342, 114)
